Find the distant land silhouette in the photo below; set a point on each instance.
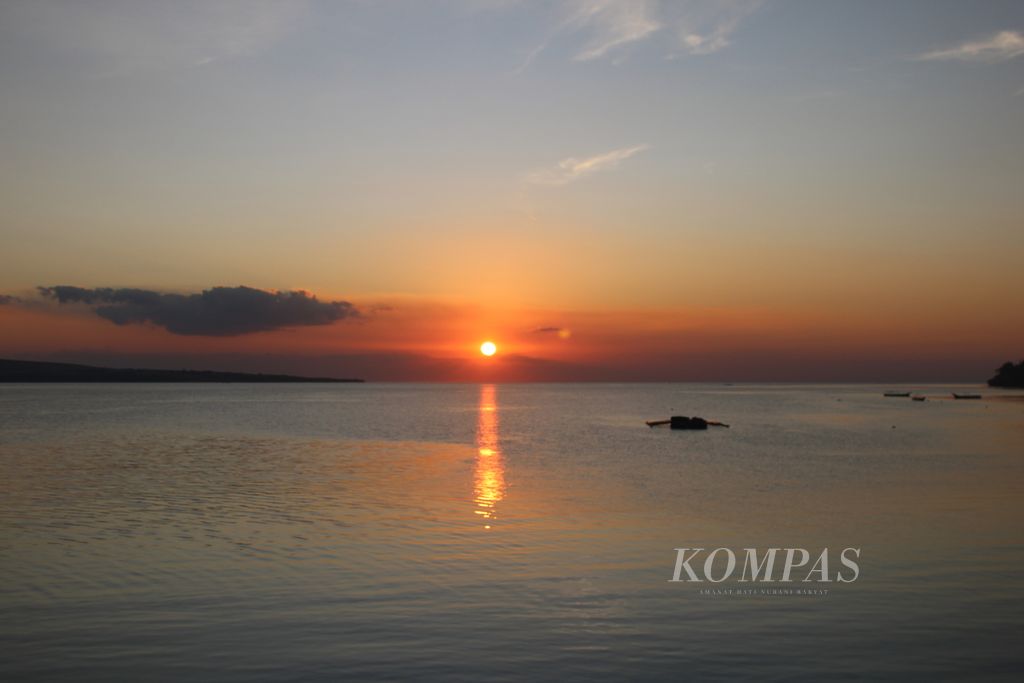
(34, 371)
(1009, 375)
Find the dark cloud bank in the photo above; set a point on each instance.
(215, 312)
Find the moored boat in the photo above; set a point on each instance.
(682, 422)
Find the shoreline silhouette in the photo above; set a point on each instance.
(39, 371)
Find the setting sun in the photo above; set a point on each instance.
(488, 348)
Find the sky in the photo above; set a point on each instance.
(633, 190)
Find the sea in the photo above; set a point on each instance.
(511, 532)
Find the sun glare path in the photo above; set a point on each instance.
(488, 348)
(489, 475)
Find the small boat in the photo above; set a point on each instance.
(896, 394)
(965, 396)
(917, 398)
(682, 422)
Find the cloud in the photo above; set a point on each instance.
(705, 28)
(6, 299)
(119, 36)
(1000, 47)
(572, 168)
(562, 332)
(597, 29)
(215, 312)
(611, 24)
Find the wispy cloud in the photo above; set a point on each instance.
(560, 332)
(999, 47)
(706, 28)
(572, 168)
(611, 24)
(596, 29)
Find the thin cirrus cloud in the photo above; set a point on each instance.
(214, 312)
(706, 29)
(999, 47)
(611, 24)
(572, 169)
(599, 29)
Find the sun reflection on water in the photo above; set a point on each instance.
(489, 475)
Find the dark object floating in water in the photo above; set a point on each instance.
(896, 394)
(917, 398)
(964, 396)
(1008, 375)
(681, 422)
(35, 371)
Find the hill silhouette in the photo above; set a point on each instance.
(34, 371)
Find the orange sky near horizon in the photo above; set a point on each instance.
(681, 343)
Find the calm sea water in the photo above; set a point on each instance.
(511, 532)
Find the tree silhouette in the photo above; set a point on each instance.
(1008, 375)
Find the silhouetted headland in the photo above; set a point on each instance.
(1009, 375)
(34, 371)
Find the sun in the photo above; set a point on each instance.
(488, 348)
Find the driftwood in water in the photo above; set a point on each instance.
(682, 422)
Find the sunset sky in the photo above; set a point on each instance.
(635, 190)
